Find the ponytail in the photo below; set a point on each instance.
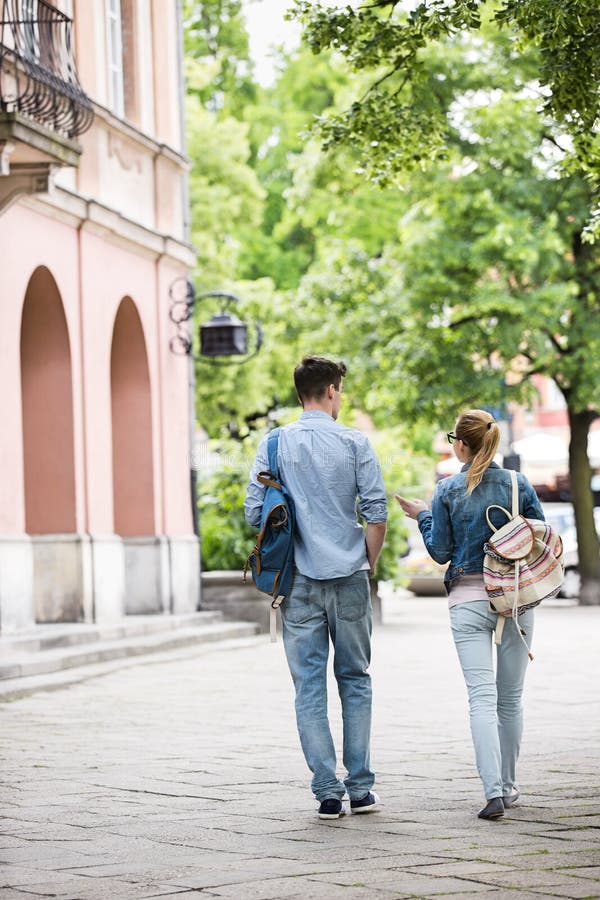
(480, 432)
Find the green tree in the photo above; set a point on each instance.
(497, 281)
(263, 205)
(401, 119)
(284, 247)
(216, 39)
(227, 203)
(225, 195)
(499, 286)
(310, 248)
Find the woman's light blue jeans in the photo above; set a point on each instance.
(314, 612)
(495, 706)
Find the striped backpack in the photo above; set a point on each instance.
(522, 563)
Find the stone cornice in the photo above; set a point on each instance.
(128, 130)
(79, 212)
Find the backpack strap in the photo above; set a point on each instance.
(515, 493)
(515, 502)
(502, 509)
(499, 629)
(265, 478)
(515, 609)
(272, 444)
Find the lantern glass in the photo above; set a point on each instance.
(224, 335)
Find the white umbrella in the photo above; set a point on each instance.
(541, 448)
(593, 447)
(449, 466)
(453, 465)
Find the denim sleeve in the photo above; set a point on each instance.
(372, 501)
(436, 529)
(530, 504)
(256, 491)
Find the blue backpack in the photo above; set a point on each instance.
(271, 560)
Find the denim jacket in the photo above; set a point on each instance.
(456, 528)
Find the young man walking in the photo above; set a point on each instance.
(326, 467)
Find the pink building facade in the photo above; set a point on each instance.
(95, 508)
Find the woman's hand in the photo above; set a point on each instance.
(412, 508)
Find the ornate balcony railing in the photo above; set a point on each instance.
(38, 77)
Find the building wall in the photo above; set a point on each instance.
(109, 237)
(134, 164)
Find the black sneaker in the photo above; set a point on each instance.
(368, 803)
(331, 809)
(510, 799)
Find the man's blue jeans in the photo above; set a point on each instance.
(339, 608)
(495, 705)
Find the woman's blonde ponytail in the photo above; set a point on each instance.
(480, 432)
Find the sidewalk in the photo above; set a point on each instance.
(184, 778)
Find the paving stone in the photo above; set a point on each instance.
(14, 894)
(461, 868)
(406, 882)
(75, 888)
(186, 779)
(577, 891)
(592, 872)
(275, 888)
(500, 894)
(535, 878)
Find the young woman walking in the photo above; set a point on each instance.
(455, 530)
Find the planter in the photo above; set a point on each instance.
(225, 591)
(426, 585)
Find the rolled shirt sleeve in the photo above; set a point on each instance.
(372, 501)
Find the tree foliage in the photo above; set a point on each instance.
(490, 281)
(462, 279)
(401, 121)
(216, 39)
(225, 195)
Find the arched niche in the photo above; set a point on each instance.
(47, 409)
(133, 481)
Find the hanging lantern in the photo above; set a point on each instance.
(224, 335)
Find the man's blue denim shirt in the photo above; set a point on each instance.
(456, 528)
(325, 467)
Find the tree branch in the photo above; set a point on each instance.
(562, 350)
(475, 318)
(548, 137)
(379, 81)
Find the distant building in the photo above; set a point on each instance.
(95, 510)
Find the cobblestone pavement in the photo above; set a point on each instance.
(182, 777)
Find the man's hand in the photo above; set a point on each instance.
(374, 538)
(412, 508)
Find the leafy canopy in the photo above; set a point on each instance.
(401, 120)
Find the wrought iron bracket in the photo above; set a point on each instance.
(183, 299)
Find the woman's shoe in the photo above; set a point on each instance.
(493, 810)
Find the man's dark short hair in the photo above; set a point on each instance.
(313, 376)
